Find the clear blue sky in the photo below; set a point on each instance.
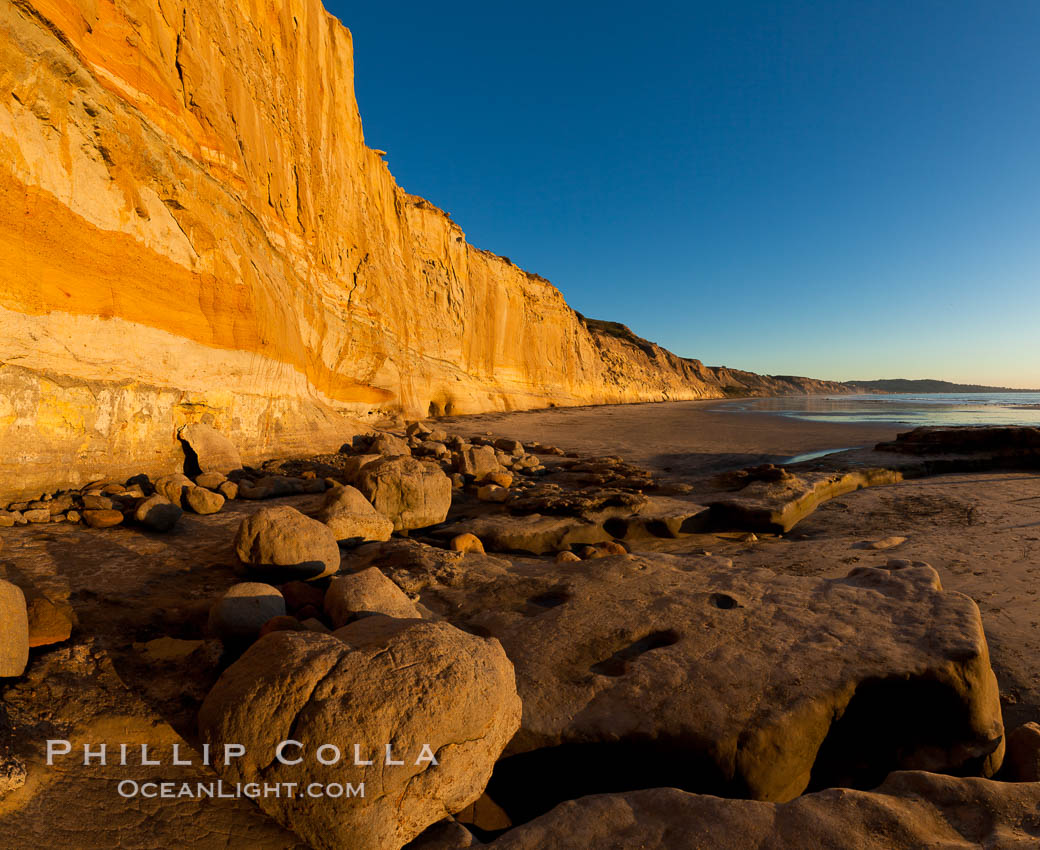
(847, 190)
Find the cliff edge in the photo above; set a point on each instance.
(192, 229)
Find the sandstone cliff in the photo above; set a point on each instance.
(192, 228)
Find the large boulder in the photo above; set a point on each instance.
(282, 539)
(427, 690)
(910, 810)
(208, 449)
(364, 593)
(744, 683)
(14, 630)
(352, 518)
(411, 493)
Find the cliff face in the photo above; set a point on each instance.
(192, 228)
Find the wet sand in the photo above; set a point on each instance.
(682, 438)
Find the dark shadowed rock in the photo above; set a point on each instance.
(244, 609)
(1022, 762)
(910, 810)
(158, 513)
(1009, 441)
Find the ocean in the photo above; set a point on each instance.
(910, 409)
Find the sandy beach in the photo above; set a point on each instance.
(677, 439)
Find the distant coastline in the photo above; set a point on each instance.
(904, 385)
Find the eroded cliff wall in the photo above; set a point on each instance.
(192, 228)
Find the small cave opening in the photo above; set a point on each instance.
(192, 468)
(435, 410)
(898, 724)
(529, 784)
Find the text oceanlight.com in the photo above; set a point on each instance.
(220, 789)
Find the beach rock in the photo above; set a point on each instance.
(203, 501)
(389, 445)
(478, 462)
(102, 519)
(492, 493)
(351, 516)
(47, 622)
(447, 834)
(379, 680)
(776, 504)
(229, 490)
(567, 557)
(37, 515)
(208, 449)
(283, 539)
(244, 609)
(534, 533)
(431, 448)
(634, 656)
(363, 594)
(880, 545)
(299, 594)
(485, 814)
(1022, 761)
(158, 513)
(502, 479)
(8, 519)
(12, 774)
(173, 487)
(1007, 441)
(466, 543)
(281, 623)
(14, 630)
(210, 480)
(411, 493)
(908, 811)
(97, 503)
(272, 487)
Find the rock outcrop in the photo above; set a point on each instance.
(192, 230)
(657, 670)
(910, 810)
